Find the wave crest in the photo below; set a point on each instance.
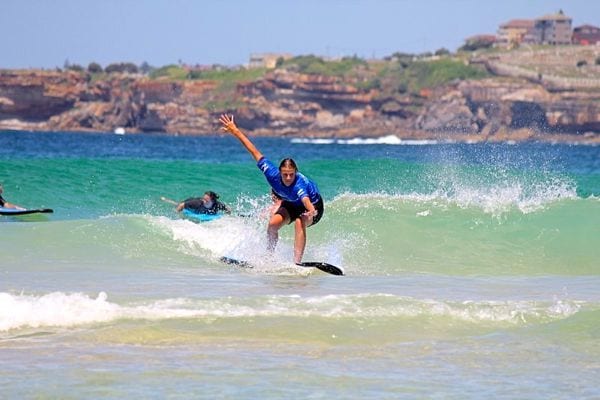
(60, 309)
(495, 200)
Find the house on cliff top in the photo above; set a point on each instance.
(514, 32)
(553, 29)
(586, 35)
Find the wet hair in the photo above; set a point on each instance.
(288, 163)
(213, 196)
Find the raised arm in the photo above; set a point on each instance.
(229, 126)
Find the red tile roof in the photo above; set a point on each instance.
(518, 23)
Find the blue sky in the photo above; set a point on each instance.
(45, 33)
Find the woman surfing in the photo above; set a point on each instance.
(301, 201)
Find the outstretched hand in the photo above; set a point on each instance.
(167, 200)
(228, 125)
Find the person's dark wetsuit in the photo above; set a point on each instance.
(196, 205)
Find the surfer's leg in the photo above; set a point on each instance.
(275, 223)
(299, 238)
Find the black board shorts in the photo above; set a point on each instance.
(295, 210)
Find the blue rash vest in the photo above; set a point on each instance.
(294, 193)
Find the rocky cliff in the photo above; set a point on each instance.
(283, 102)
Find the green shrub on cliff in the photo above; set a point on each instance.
(313, 65)
(121, 68)
(225, 76)
(94, 68)
(439, 72)
(76, 68)
(302, 63)
(478, 42)
(172, 71)
(416, 75)
(368, 84)
(228, 75)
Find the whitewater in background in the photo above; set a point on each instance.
(472, 270)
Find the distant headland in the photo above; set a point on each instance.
(489, 90)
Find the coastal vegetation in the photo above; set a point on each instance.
(313, 65)
(410, 72)
(414, 76)
(227, 75)
(171, 71)
(215, 73)
(397, 73)
(483, 93)
(94, 68)
(402, 73)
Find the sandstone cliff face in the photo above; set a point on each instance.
(487, 105)
(289, 103)
(294, 103)
(173, 107)
(36, 96)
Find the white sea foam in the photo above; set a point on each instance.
(388, 140)
(244, 238)
(54, 309)
(60, 309)
(217, 237)
(494, 200)
(312, 141)
(235, 237)
(504, 197)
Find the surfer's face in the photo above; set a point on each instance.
(207, 201)
(288, 175)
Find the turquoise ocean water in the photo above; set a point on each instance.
(473, 271)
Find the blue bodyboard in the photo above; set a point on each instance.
(200, 217)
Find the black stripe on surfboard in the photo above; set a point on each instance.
(25, 212)
(323, 266)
